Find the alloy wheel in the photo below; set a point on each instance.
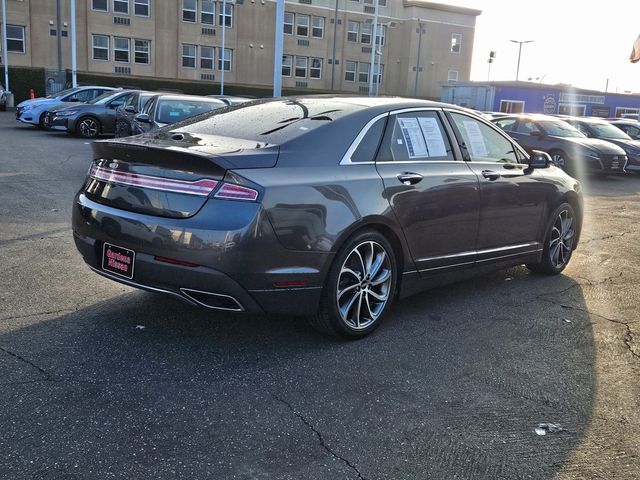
(364, 285)
(558, 160)
(561, 241)
(88, 128)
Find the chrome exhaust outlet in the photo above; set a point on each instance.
(215, 301)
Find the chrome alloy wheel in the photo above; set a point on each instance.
(558, 160)
(364, 285)
(561, 241)
(88, 128)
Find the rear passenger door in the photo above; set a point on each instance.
(433, 194)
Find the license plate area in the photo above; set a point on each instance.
(118, 260)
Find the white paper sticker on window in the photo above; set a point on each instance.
(413, 137)
(433, 137)
(478, 147)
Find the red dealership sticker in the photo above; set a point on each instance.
(118, 260)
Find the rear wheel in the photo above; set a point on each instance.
(88, 127)
(559, 241)
(560, 160)
(359, 288)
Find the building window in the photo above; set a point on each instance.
(315, 69)
(189, 56)
(121, 49)
(302, 25)
(511, 106)
(365, 37)
(207, 13)
(363, 72)
(452, 76)
(382, 3)
(15, 39)
(225, 60)
(350, 71)
(121, 6)
(206, 58)
(287, 64)
(353, 28)
(456, 42)
(317, 27)
(141, 51)
(301, 67)
(380, 34)
(100, 5)
(226, 18)
(288, 23)
(141, 8)
(189, 11)
(100, 47)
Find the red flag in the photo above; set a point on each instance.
(635, 51)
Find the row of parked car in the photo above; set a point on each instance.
(91, 111)
(579, 145)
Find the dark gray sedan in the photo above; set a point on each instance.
(328, 207)
(91, 119)
(570, 149)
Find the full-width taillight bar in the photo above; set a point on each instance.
(202, 187)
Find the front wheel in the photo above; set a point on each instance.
(359, 288)
(88, 127)
(559, 241)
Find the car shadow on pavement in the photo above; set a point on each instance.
(452, 385)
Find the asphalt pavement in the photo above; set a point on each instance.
(101, 381)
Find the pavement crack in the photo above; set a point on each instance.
(318, 434)
(28, 362)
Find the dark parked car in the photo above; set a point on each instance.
(125, 113)
(231, 99)
(91, 119)
(630, 127)
(568, 147)
(328, 207)
(163, 110)
(596, 128)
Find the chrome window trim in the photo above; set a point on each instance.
(346, 158)
(480, 252)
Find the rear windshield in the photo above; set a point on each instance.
(273, 122)
(172, 111)
(606, 130)
(559, 128)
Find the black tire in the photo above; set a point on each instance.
(558, 242)
(41, 121)
(88, 127)
(372, 279)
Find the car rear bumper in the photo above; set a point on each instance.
(230, 270)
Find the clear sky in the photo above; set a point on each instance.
(582, 43)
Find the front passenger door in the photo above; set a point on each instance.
(513, 200)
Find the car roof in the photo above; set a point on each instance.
(173, 96)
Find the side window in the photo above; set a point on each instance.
(368, 146)
(582, 128)
(507, 124)
(119, 101)
(132, 101)
(526, 126)
(415, 137)
(83, 96)
(482, 142)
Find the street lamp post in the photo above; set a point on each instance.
(4, 45)
(373, 46)
(420, 32)
(519, 42)
(278, 48)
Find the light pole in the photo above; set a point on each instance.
(420, 32)
(373, 46)
(74, 66)
(277, 51)
(4, 45)
(520, 42)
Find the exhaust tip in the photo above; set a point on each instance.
(216, 301)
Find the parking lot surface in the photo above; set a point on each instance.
(100, 381)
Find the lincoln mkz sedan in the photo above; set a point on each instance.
(327, 207)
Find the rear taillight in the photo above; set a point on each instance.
(231, 191)
(202, 187)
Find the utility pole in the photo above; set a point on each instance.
(335, 38)
(74, 67)
(4, 45)
(373, 47)
(519, 42)
(277, 54)
(420, 32)
(224, 29)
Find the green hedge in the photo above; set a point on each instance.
(21, 79)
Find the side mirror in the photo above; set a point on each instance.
(130, 109)
(142, 118)
(539, 159)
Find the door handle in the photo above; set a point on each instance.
(490, 174)
(409, 178)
